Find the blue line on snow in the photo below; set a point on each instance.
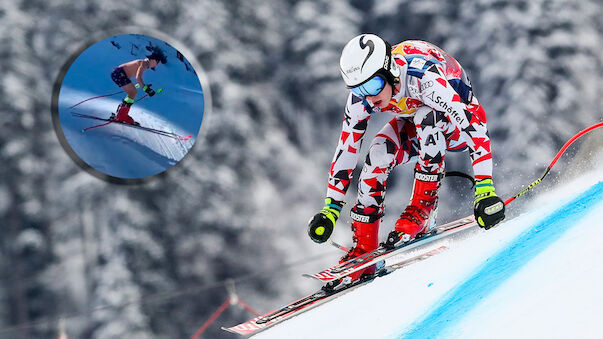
(461, 300)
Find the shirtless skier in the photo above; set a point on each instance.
(121, 77)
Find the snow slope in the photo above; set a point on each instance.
(538, 275)
(121, 151)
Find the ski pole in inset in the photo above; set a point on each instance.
(112, 94)
(146, 95)
(96, 97)
(96, 126)
(548, 169)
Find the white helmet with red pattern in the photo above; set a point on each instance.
(365, 56)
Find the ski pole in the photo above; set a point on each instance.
(548, 169)
(96, 126)
(338, 246)
(96, 97)
(112, 94)
(146, 95)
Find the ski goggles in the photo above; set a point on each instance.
(372, 87)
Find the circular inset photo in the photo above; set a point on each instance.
(130, 107)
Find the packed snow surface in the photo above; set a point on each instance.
(537, 275)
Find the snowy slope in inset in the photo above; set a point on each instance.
(538, 275)
(119, 150)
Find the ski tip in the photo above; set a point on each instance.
(244, 329)
(227, 329)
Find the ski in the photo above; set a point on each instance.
(295, 308)
(418, 258)
(318, 298)
(400, 253)
(322, 296)
(148, 129)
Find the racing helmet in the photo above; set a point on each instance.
(366, 56)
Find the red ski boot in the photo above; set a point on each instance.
(366, 239)
(122, 114)
(419, 212)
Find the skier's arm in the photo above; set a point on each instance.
(439, 95)
(142, 66)
(355, 122)
(345, 158)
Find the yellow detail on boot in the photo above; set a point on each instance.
(319, 230)
(128, 100)
(480, 221)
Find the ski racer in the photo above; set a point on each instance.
(121, 77)
(434, 110)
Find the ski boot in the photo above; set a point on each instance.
(122, 114)
(366, 239)
(421, 210)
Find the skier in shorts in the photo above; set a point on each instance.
(435, 112)
(121, 77)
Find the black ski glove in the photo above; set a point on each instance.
(148, 90)
(488, 208)
(321, 225)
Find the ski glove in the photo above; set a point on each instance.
(321, 225)
(488, 208)
(148, 90)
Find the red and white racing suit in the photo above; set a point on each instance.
(435, 111)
